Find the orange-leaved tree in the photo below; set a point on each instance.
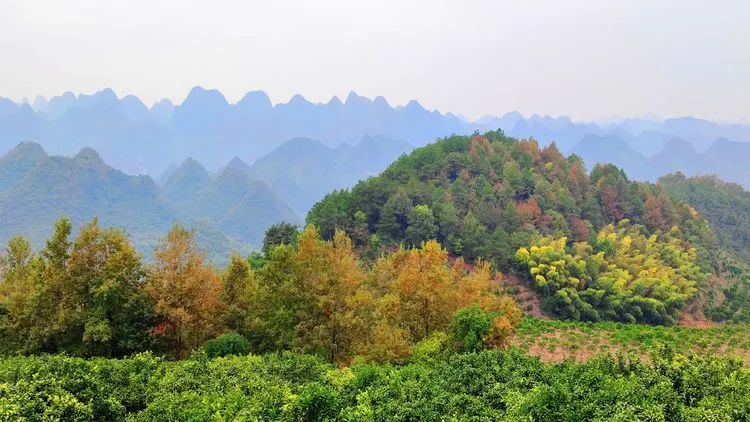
(419, 291)
(185, 291)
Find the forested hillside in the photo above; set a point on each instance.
(596, 246)
(727, 207)
(230, 213)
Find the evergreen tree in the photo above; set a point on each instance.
(421, 224)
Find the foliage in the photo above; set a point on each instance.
(432, 349)
(227, 344)
(727, 297)
(320, 299)
(489, 385)
(185, 292)
(622, 274)
(279, 234)
(486, 196)
(83, 297)
(238, 289)
(470, 325)
(93, 297)
(723, 204)
(337, 318)
(256, 260)
(422, 225)
(420, 291)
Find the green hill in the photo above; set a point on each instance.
(595, 246)
(727, 207)
(233, 203)
(229, 214)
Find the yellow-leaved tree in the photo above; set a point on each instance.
(419, 291)
(338, 317)
(185, 291)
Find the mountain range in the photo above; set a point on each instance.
(270, 163)
(725, 158)
(149, 140)
(303, 170)
(230, 212)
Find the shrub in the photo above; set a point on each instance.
(431, 350)
(470, 325)
(227, 344)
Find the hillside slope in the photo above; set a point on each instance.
(597, 246)
(229, 214)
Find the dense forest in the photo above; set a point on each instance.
(596, 246)
(725, 206)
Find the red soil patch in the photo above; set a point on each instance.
(695, 320)
(523, 295)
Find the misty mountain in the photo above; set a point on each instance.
(680, 155)
(233, 202)
(724, 158)
(229, 213)
(142, 140)
(611, 149)
(302, 170)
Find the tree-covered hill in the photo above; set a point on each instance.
(230, 213)
(596, 246)
(727, 207)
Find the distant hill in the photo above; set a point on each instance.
(611, 149)
(725, 158)
(725, 205)
(233, 203)
(302, 170)
(142, 140)
(229, 213)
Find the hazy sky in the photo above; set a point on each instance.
(587, 59)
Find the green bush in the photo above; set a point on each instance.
(470, 325)
(488, 385)
(432, 349)
(227, 344)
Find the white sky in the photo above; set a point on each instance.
(584, 58)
